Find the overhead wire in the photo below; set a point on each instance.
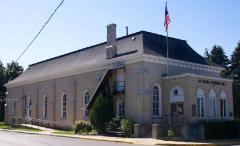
(19, 22)
(3, 10)
(31, 42)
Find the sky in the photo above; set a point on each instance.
(81, 23)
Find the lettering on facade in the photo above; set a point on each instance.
(211, 82)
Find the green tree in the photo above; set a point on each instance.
(234, 72)
(235, 63)
(217, 55)
(101, 113)
(2, 90)
(9, 73)
(13, 70)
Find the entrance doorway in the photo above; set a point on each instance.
(177, 113)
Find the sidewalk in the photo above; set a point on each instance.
(143, 141)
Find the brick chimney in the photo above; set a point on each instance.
(111, 49)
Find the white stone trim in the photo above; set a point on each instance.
(180, 63)
(198, 76)
(111, 63)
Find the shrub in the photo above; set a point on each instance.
(222, 129)
(127, 127)
(170, 133)
(114, 124)
(82, 127)
(101, 113)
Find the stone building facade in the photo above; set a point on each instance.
(63, 89)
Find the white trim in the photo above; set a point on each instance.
(110, 63)
(198, 76)
(180, 63)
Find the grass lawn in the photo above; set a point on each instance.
(61, 132)
(26, 129)
(71, 132)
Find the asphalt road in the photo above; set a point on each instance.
(21, 139)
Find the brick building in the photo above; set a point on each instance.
(62, 89)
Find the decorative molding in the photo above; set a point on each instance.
(117, 62)
(198, 76)
(180, 63)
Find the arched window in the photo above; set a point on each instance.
(156, 98)
(45, 106)
(223, 104)
(29, 109)
(86, 98)
(200, 103)
(64, 106)
(176, 95)
(212, 104)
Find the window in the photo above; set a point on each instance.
(156, 101)
(212, 106)
(64, 106)
(29, 107)
(223, 104)
(176, 95)
(120, 108)
(45, 106)
(14, 107)
(86, 98)
(200, 103)
(175, 92)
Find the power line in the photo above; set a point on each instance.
(19, 22)
(3, 10)
(39, 31)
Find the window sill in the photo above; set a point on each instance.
(63, 118)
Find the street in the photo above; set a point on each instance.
(21, 139)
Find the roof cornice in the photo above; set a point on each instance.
(123, 60)
(198, 76)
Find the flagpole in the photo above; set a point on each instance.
(167, 53)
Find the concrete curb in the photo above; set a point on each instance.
(127, 142)
(67, 136)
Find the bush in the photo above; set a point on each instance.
(170, 133)
(101, 113)
(127, 127)
(222, 129)
(82, 127)
(114, 124)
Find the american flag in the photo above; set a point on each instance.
(167, 18)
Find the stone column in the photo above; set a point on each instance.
(137, 130)
(155, 131)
